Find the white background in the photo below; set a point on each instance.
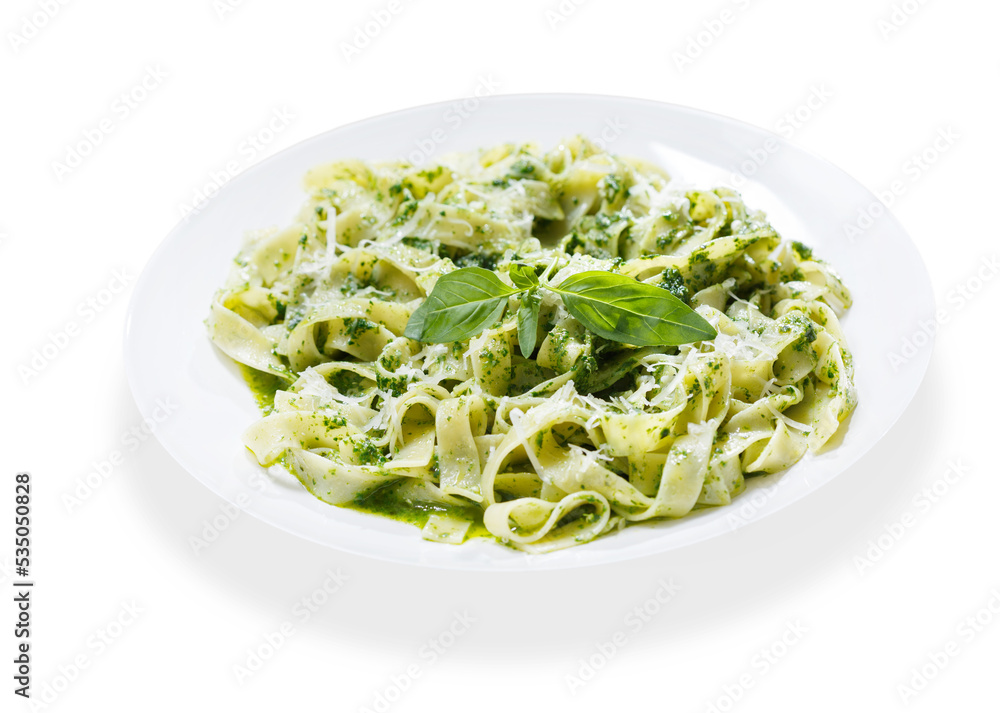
(126, 546)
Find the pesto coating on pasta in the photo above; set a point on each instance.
(535, 430)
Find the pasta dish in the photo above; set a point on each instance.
(542, 347)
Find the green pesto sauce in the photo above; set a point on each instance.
(384, 501)
(263, 385)
(387, 502)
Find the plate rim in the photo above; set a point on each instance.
(577, 555)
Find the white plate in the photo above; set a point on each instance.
(168, 355)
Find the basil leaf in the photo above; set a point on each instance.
(461, 305)
(527, 322)
(623, 310)
(522, 275)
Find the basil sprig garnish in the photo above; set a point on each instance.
(618, 308)
(461, 305)
(624, 310)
